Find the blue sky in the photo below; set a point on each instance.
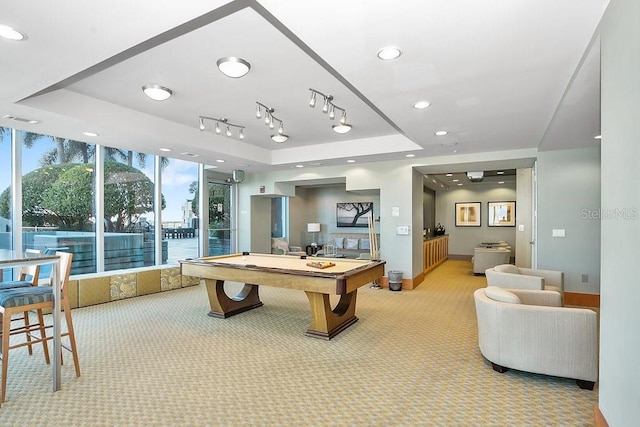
(176, 177)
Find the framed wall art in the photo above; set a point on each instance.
(502, 214)
(468, 214)
(353, 214)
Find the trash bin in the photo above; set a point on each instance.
(395, 280)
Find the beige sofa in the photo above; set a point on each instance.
(509, 276)
(484, 258)
(531, 331)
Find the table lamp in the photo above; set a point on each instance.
(313, 227)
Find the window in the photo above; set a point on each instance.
(128, 209)
(278, 216)
(58, 198)
(6, 236)
(179, 218)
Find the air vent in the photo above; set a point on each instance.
(20, 119)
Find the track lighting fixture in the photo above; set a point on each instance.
(270, 120)
(217, 128)
(330, 107)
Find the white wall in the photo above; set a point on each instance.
(619, 388)
(462, 240)
(320, 206)
(569, 199)
(393, 179)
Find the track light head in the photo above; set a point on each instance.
(258, 113)
(201, 122)
(343, 119)
(218, 128)
(228, 132)
(312, 102)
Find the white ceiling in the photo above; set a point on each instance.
(500, 75)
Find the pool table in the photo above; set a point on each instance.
(292, 272)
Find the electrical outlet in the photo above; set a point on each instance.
(585, 278)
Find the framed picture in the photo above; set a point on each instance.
(353, 214)
(468, 214)
(502, 214)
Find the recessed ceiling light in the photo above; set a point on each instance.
(341, 128)
(441, 132)
(389, 52)
(299, 166)
(279, 138)
(220, 161)
(351, 161)
(11, 33)
(500, 172)
(157, 92)
(421, 105)
(456, 180)
(188, 154)
(460, 184)
(597, 137)
(166, 150)
(233, 67)
(500, 182)
(411, 155)
(449, 174)
(90, 133)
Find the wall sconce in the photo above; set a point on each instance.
(329, 107)
(270, 120)
(221, 123)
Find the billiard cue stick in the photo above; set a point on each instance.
(373, 247)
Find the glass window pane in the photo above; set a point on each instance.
(5, 195)
(277, 217)
(128, 209)
(219, 218)
(58, 198)
(179, 214)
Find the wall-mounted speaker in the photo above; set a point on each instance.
(238, 176)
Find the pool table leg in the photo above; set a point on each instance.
(222, 306)
(327, 323)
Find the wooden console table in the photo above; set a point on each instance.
(435, 251)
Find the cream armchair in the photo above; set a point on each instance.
(281, 247)
(509, 276)
(530, 331)
(484, 258)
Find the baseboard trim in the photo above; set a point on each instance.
(582, 300)
(598, 418)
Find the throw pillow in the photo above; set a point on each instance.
(351, 243)
(365, 244)
(507, 268)
(338, 242)
(502, 295)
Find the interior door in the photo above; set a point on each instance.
(220, 230)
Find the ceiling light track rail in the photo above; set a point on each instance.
(219, 124)
(270, 121)
(328, 106)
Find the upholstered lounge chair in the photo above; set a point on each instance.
(530, 331)
(509, 276)
(281, 247)
(484, 258)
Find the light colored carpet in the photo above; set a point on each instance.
(412, 359)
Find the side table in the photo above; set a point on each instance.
(312, 250)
